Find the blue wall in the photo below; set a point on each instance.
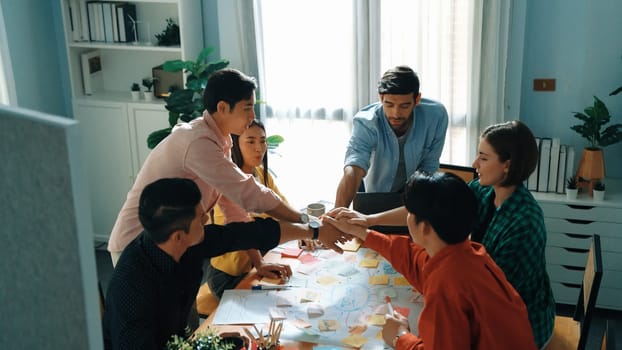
(577, 42)
(37, 54)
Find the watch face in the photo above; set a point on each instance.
(314, 224)
(304, 218)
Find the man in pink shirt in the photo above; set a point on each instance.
(201, 151)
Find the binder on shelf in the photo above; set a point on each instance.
(107, 16)
(75, 19)
(543, 167)
(570, 170)
(92, 75)
(126, 16)
(532, 180)
(561, 173)
(84, 20)
(554, 164)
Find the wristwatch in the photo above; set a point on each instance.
(397, 336)
(316, 228)
(304, 218)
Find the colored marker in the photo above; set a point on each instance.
(269, 286)
(389, 306)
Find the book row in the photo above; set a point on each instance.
(103, 21)
(555, 165)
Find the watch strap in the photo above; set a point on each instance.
(316, 232)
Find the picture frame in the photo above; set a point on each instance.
(92, 72)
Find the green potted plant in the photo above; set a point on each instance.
(170, 34)
(571, 188)
(591, 166)
(599, 191)
(135, 90)
(187, 104)
(206, 340)
(148, 84)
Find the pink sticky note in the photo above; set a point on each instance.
(291, 252)
(307, 258)
(404, 311)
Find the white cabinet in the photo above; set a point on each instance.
(115, 128)
(570, 225)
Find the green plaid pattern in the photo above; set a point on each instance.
(516, 240)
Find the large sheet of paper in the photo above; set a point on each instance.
(335, 300)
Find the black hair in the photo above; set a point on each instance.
(236, 153)
(401, 80)
(168, 205)
(228, 85)
(443, 200)
(514, 141)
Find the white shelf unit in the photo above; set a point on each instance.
(570, 225)
(115, 128)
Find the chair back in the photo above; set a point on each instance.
(467, 173)
(589, 290)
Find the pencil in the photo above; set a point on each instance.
(250, 335)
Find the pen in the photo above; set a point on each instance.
(269, 286)
(389, 306)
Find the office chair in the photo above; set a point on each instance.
(572, 332)
(467, 173)
(206, 301)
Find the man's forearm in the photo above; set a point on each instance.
(349, 184)
(393, 217)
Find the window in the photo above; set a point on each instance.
(6, 75)
(310, 58)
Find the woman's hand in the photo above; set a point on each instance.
(346, 227)
(272, 270)
(351, 216)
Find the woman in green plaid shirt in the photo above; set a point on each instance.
(510, 223)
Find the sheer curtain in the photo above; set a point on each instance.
(7, 84)
(319, 62)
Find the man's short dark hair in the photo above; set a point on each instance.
(401, 80)
(168, 205)
(229, 85)
(445, 201)
(514, 141)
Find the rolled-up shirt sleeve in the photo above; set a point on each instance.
(361, 145)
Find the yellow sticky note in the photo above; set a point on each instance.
(354, 340)
(400, 281)
(371, 263)
(351, 245)
(357, 329)
(377, 320)
(328, 325)
(266, 280)
(327, 279)
(379, 279)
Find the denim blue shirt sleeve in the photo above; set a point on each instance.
(374, 148)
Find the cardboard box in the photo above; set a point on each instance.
(165, 81)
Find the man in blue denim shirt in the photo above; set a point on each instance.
(393, 138)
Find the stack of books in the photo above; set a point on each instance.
(555, 165)
(103, 21)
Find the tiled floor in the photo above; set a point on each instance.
(104, 271)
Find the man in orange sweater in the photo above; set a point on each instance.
(469, 304)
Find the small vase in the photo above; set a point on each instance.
(148, 95)
(135, 95)
(599, 195)
(571, 193)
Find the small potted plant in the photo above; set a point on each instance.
(206, 340)
(599, 191)
(148, 84)
(571, 188)
(135, 90)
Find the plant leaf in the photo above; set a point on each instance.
(155, 137)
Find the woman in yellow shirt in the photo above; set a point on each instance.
(249, 152)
